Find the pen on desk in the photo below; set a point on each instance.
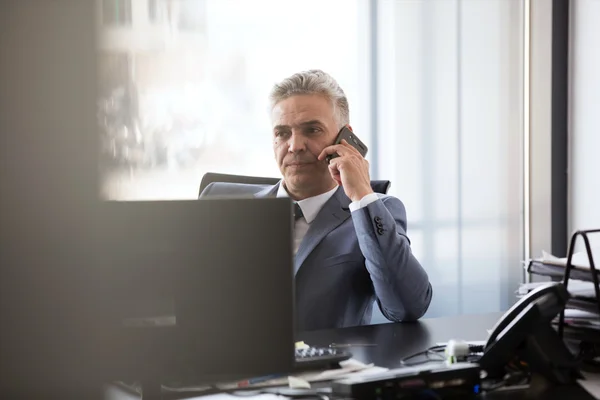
(259, 379)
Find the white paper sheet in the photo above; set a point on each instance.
(576, 288)
(580, 259)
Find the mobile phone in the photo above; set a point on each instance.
(352, 139)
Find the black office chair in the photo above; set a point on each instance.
(379, 186)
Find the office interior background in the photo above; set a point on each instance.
(482, 113)
(453, 97)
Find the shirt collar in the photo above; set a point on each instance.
(310, 206)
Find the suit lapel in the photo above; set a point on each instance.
(334, 213)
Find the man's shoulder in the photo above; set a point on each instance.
(233, 189)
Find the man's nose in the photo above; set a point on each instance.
(296, 143)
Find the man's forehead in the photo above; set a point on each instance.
(302, 110)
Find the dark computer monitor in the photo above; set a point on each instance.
(200, 288)
(65, 286)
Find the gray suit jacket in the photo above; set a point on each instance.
(348, 260)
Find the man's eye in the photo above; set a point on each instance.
(314, 130)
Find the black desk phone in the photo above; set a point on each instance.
(525, 332)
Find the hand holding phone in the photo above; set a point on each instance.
(349, 168)
(352, 139)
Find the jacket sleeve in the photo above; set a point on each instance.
(401, 284)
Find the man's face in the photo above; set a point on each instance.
(303, 126)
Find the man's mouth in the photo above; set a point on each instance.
(299, 164)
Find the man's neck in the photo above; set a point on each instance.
(298, 195)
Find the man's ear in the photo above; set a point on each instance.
(349, 127)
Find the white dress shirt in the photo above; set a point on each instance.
(311, 206)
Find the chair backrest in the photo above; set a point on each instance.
(379, 186)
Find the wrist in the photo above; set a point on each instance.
(363, 201)
(362, 194)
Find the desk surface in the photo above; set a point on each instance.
(396, 341)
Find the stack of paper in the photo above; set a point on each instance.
(580, 259)
(582, 319)
(577, 288)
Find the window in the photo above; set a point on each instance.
(116, 12)
(449, 113)
(155, 10)
(192, 16)
(201, 101)
(188, 16)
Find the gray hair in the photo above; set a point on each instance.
(313, 81)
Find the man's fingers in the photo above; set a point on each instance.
(334, 166)
(335, 172)
(329, 150)
(350, 147)
(340, 149)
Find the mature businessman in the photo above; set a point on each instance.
(351, 246)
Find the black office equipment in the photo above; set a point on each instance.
(315, 358)
(460, 381)
(584, 337)
(592, 273)
(525, 334)
(198, 288)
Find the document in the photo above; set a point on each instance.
(575, 287)
(580, 259)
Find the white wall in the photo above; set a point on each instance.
(585, 117)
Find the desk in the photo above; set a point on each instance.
(395, 341)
